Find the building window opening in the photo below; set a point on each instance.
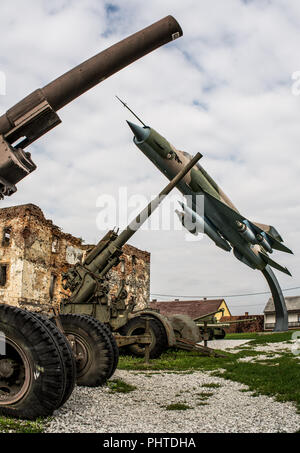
(133, 260)
(3, 274)
(6, 237)
(53, 280)
(55, 245)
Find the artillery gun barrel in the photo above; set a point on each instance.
(80, 79)
(106, 254)
(75, 82)
(100, 262)
(147, 211)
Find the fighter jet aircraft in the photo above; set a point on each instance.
(251, 242)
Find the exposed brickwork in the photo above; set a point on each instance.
(251, 326)
(33, 250)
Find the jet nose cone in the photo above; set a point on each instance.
(140, 133)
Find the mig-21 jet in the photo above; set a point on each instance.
(251, 242)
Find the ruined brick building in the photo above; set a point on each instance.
(34, 252)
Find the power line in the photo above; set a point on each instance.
(223, 296)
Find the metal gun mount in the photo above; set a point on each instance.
(36, 114)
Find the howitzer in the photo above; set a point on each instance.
(36, 114)
(211, 328)
(87, 281)
(142, 332)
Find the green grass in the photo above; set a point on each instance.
(119, 386)
(173, 361)
(260, 338)
(204, 395)
(281, 381)
(11, 425)
(241, 336)
(178, 407)
(212, 385)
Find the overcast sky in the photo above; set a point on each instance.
(224, 89)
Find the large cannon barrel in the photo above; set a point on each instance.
(147, 211)
(101, 260)
(82, 278)
(78, 80)
(93, 71)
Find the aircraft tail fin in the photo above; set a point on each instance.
(273, 237)
(269, 229)
(272, 263)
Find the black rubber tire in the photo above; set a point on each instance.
(46, 377)
(66, 352)
(115, 349)
(137, 326)
(97, 346)
(221, 336)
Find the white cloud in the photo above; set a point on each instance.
(223, 89)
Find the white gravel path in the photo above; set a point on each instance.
(143, 410)
(226, 344)
(228, 409)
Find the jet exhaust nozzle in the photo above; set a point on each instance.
(246, 232)
(263, 242)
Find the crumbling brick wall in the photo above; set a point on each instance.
(137, 276)
(34, 253)
(252, 326)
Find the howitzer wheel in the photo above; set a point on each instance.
(32, 375)
(91, 347)
(220, 336)
(137, 326)
(67, 355)
(116, 352)
(184, 327)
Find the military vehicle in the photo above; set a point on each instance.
(212, 329)
(252, 242)
(37, 369)
(88, 284)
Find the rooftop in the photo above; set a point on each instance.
(292, 304)
(192, 308)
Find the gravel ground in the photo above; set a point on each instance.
(228, 409)
(226, 344)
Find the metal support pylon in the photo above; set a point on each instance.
(281, 314)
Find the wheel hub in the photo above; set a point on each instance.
(14, 374)
(7, 368)
(80, 351)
